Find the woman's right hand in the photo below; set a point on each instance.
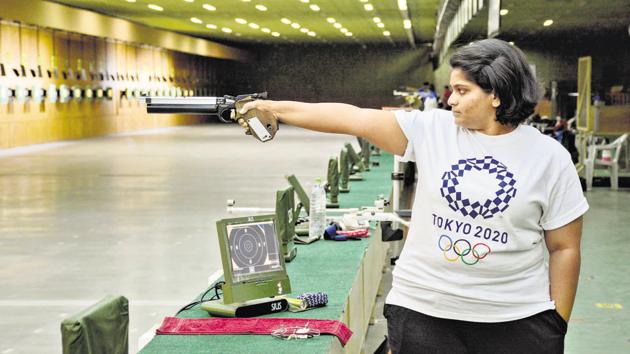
(256, 112)
(262, 106)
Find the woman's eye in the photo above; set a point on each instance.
(461, 92)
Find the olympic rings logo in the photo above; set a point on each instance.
(463, 250)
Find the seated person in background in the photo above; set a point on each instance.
(564, 134)
(445, 95)
(429, 97)
(559, 128)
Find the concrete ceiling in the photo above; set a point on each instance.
(215, 17)
(572, 19)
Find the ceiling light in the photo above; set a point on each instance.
(368, 7)
(548, 23)
(131, 0)
(348, 34)
(187, 0)
(386, 33)
(303, 29)
(286, 21)
(305, 1)
(511, 43)
(195, 20)
(376, 19)
(295, 25)
(337, 25)
(331, 20)
(380, 25)
(211, 26)
(209, 7)
(266, 30)
(407, 24)
(241, 21)
(314, 7)
(155, 7)
(402, 5)
(504, 12)
(364, 0)
(254, 26)
(238, 34)
(344, 30)
(246, 0)
(261, 7)
(312, 34)
(226, 30)
(275, 34)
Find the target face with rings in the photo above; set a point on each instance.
(253, 249)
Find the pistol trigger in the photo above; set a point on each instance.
(232, 114)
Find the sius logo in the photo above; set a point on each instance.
(499, 202)
(276, 306)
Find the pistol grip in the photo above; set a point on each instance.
(262, 125)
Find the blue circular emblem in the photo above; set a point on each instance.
(489, 207)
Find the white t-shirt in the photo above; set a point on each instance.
(475, 249)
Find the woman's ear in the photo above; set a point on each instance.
(496, 102)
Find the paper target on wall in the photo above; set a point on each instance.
(253, 249)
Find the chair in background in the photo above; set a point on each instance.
(102, 328)
(609, 157)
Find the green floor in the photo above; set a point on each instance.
(601, 317)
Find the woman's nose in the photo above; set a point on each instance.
(452, 101)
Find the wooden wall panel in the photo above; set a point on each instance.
(28, 49)
(89, 56)
(10, 37)
(125, 67)
(130, 60)
(157, 63)
(110, 58)
(44, 49)
(75, 54)
(121, 60)
(144, 63)
(101, 57)
(60, 53)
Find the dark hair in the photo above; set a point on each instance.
(500, 68)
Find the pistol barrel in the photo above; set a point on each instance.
(183, 105)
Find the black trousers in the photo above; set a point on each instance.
(414, 332)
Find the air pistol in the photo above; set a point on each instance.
(261, 125)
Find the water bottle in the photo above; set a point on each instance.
(317, 213)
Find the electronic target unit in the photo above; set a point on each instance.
(253, 268)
